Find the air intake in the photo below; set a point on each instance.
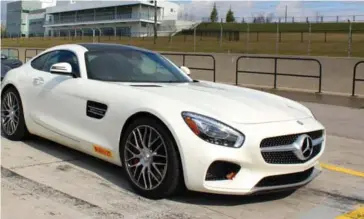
(95, 110)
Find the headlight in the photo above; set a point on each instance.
(213, 131)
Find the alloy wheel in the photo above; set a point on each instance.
(145, 157)
(10, 113)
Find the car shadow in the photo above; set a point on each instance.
(113, 174)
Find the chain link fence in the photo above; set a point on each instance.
(271, 18)
(343, 40)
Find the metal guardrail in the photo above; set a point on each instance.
(213, 69)
(26, 55)
(10, 51)
(275, 73)
(354, 76)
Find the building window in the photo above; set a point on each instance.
(171, 9)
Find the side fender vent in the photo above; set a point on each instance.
(95, 110)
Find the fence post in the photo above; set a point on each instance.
(277, 39)
(170, 39)
(325, 36)
(93, 35)
(221, 30)
(350, 39)
(237, 71)
(275, 71)
(309, 39)
(194, 39)
(247, 38)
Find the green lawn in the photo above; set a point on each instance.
(336, 44)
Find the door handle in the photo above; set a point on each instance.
(38, 81)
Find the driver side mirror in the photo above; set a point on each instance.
(62, 68)
(186, 70)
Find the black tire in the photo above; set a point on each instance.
(173, 180)
(21, 131)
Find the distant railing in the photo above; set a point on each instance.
(354, 76)
(275, 74)
(213, 69)
(28, 57)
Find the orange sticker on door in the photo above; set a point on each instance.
(103, 151)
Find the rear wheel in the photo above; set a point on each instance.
(12, 117)
(150, 159)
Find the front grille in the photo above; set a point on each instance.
(285, 179)
(288, 157)
(287, 139)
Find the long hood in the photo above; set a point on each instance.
(236, 104)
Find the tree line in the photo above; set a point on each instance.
(230, 18)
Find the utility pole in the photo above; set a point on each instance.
(155, 21)
(285, 16)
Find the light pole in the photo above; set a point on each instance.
(155, 21)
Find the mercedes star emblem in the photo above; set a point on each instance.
(304, 147)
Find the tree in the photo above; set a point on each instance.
(214, 15)
(260, 19)
(269, 18)
(230, 16)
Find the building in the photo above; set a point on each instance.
(97, 17)
(118, 18)
(36, 22)
(17, 17)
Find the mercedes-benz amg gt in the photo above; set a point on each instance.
(137, 109)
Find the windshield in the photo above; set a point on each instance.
(128, 65)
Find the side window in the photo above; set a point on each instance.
(62, 56)
(38, 63)
(52, 59)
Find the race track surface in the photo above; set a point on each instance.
(41, 179)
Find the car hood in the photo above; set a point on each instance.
(236, 104)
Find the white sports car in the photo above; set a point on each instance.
(135, 108)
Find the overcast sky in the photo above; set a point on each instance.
(202, 8)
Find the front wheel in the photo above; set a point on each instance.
(12, 117)
(150, 159)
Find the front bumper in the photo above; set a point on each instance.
(198, 155)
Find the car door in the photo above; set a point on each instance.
(55, 100)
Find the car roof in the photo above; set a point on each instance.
(111, 46)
